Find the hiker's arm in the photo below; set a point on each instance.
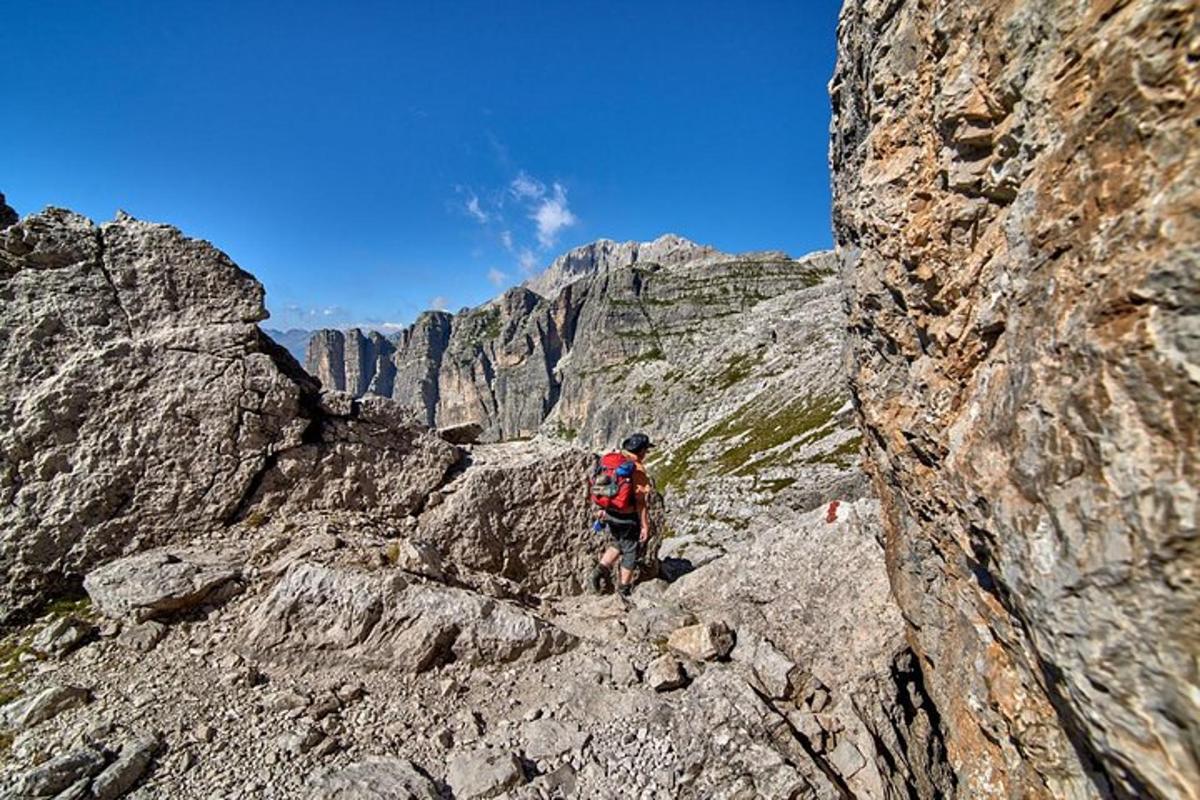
(644, 515)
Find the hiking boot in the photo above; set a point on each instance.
(625, 589)
(596, 579)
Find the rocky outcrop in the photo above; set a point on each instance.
(1015, 189)
(318, 614)
(139, 403)
(520, 512)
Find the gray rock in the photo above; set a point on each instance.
(158, 582)
(665, 673)
(60, 773)
(846, 758)
(545, 738)
(317, 614)
(27, 711)
(706, 641)
(481, 774)
(131, 763)
(60, 636)
(373, 778)
(656, 620)
(140, 402)
(417, 557)
(771, 671)
(142, 637)
(1023, 352)
(467, 433)
(517, 512)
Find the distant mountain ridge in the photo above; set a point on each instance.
(731, 362)
(294, 339)
(603, 255)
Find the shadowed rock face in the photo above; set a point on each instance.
(140, 404)
(7, 215)
(1015, 203)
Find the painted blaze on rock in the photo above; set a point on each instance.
(1015, 187)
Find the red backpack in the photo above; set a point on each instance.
(611, 484)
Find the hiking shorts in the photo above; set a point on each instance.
(625, 539)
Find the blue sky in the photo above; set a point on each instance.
(369, 160)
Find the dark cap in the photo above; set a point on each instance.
(636, 442)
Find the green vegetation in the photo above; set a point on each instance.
(738, 369)
(644, 391)
(754, 428)
(655, 353)
(80, 607)
(561, 431)
(256, 519)
(12, 669)
(775, 485)
(777, 428)
(841, 456)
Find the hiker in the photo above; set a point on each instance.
(620, 489)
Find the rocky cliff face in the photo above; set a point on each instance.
(1015, 203)
(139, 403)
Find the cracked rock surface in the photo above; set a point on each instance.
(1015, 201)
(140, 404)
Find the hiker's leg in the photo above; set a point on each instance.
(628, 563)
(609, 557)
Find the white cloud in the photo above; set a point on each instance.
(506, 240)
(526, 187)
(475, 211)
(439, 303)
(528, 261)
(496, 277)
(552, 215)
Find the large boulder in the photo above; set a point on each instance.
(140, 403)
(1015, 201)
(385, 620)
(521, 511)
(159, 583)
(373, 778)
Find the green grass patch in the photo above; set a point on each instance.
(778, 428)
(80, 607)
(738, 368)
(561, 431)
(842, 456)
(756, 427)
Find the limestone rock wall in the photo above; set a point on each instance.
(140, 404)
(1016, 189)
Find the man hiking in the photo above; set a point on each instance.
(620, 489)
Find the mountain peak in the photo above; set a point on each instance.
(604, 254)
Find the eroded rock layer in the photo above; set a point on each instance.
(1016, 189)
